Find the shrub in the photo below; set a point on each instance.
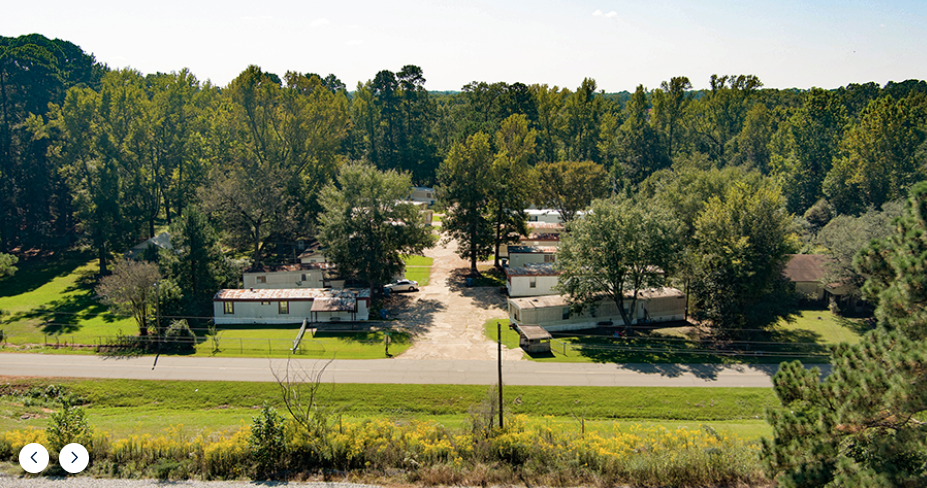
(267, 441)
(67, 425)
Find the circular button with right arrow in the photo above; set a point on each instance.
(33, 458)
(74, 458)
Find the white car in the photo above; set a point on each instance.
(402, 285)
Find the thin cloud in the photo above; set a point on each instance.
(597, 13)
(612, 14)
(355, 42)
(319, 22)
(609, 15)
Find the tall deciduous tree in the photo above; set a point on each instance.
(582, 113)
(669, 110)
(742, 240)
(881, 157)
(810, 139)
(513, 182)
(861, 426)
(253, 205)
(570, 186)
(92, 173)
(466, 182)
(131, 290)
(642, 150)
(550, 102)
(718, 117)
(366, 226)
(619, 248)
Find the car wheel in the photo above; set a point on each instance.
(413, 289)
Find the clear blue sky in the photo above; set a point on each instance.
(618, 43)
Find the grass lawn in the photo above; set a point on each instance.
(54, 298)
(52, 301)
(415, 260)
(437, 217)
(807, 338)
(124, 407)
(418, 268)
(249, 341)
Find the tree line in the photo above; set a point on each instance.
(87, 152)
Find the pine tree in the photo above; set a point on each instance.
(863, 425)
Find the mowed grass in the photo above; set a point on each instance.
(418, 268)
(251, 340)
(123, 407)
(49, 299)
(53, 301)
(808, 338)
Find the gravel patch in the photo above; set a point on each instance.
(85, 482)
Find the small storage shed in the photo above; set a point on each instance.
(533, 339)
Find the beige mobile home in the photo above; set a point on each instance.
(313, 275)
(553, 311)
(290, 306)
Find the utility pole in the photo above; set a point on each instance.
(499, 337)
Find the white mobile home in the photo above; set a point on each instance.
(531, 280)
(519, 256)
(543, 215)
(290, 306)
(303, 275)
(423, 194)
(553, 311)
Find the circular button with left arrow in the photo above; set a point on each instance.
(74, 458)
(33, 458)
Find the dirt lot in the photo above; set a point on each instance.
(446, 318)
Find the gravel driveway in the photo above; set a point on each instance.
(447, 318)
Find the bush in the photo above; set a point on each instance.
(267, 442)
(68, 425)
(179, 337)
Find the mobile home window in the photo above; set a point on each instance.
(304, 277)
(533, 282)
(228, 307)
(284, 308)
(566, 313)
(265, 303)
(261, 279)
(549, 258)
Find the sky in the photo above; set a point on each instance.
(621, 44)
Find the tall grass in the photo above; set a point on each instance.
(429, 453)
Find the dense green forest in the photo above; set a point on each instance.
(101, 156)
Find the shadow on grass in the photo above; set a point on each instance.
(648, 351)
(361, 337)
(857, 325)
(540, 355)
(64, 316)
(34, 273)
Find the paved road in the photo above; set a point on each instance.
(464, 372)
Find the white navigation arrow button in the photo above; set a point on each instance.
(33, 458)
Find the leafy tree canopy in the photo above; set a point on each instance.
(366, 226)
